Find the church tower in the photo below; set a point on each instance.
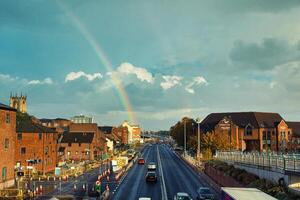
(18, 102)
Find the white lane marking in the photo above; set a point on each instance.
(162, 182)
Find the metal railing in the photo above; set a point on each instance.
(270, 161)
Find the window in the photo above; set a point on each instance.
(79, 144)
(69, 144)
(248, 130)
(6, 143)
(4, 173)
(23, 150)
(7, 118)
(19, 136)
(46, 150)
(40, 136)
(273, 133)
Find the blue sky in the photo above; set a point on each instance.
(174, 58)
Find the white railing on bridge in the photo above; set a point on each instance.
(271, 161)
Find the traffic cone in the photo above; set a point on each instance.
(41, 189)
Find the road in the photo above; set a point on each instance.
(174, 175)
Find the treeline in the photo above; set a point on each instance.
(210, 142)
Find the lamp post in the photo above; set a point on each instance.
(198, 121)
(184, 136)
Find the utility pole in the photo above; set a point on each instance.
(184, 137)
(198, 121)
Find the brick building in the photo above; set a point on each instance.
(7, 147)
(35, 142)
(96, 148)
(122, 133)
(76, 146)
(252, 131)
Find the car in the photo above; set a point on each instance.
(151, 166)
(151, 177)
(204, 193)
(141, 161)
(182, 196)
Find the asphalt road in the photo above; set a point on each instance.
(174, 175)
(134, 184)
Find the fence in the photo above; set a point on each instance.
(274, 162)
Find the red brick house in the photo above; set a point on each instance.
(121, 132)
(76, 146)
(251, 131)
(36, 143)
(7, 146)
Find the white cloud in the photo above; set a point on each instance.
(76, 75)
(6, 77)
(141, 73)
(170, 81)
(197, 81)
(40, 82)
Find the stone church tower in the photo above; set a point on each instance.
(18, 102)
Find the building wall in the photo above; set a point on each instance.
(121, 132)
(77, 151)
(7, 152)
(42, 148)
(98, 146)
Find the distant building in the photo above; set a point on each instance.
(122, 133)
(7, 147)
(76, 146)
(254, 131)
(86, 134)
(134, 132)
(53, 123)
(111, 137)
(82, 119)
(18, 102)
(36, 143)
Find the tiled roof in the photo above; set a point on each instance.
(242, 119)
(295, 126)
(5, 107)
(77, 137)
(28, 126)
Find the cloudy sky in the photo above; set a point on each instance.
(173, 58)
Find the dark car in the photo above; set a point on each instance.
(151, 177)
(141, 161)
(204, 193)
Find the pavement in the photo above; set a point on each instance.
(174, 175)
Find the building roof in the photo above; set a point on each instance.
(5, 107)
(77, 137)
(295, 126)
(27, 126)
(106, 129)
(242, 119)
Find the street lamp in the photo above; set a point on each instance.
(184, 137)
(198, 121)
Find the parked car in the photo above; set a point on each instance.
(151, 177)
(204, 193)
(141, 161)
(182, 196)
(151, 166)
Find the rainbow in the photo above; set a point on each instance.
(103, 59)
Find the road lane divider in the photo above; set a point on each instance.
(162, 182)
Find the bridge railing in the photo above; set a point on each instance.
(271, 161)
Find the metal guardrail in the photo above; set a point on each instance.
(272, 162)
